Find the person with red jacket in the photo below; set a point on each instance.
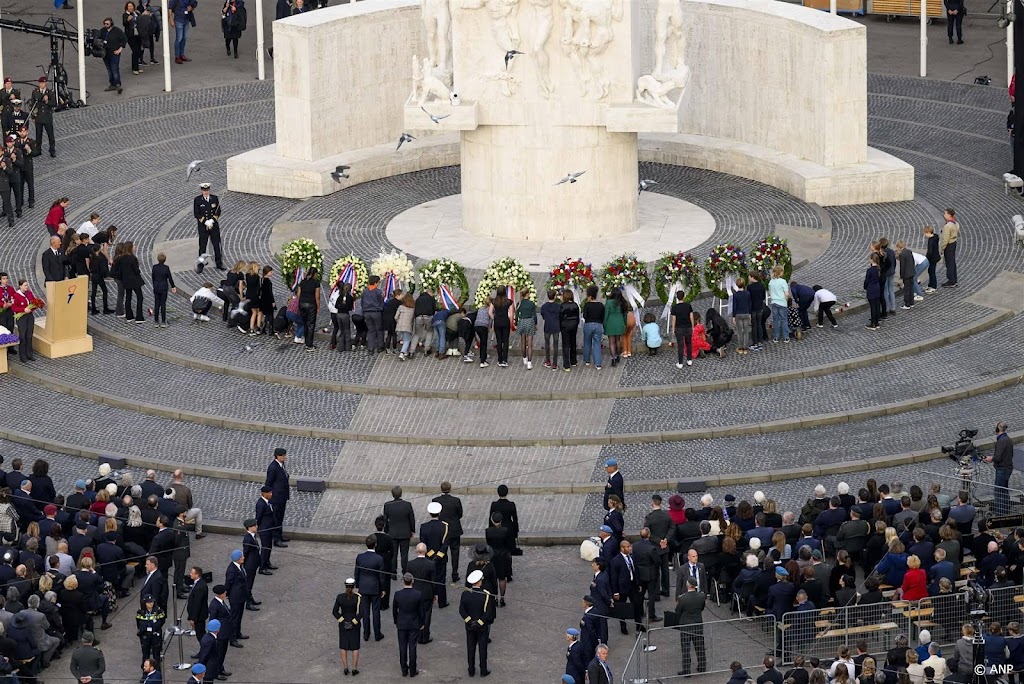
(56, 222)
(915, 581)
(24, 303)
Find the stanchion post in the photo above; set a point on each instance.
(178, 632)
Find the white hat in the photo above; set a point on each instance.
(204, 186)
(925, 637)
(759, 496)
(475, 577)
(350, 582)
(104, 469)
(433, 508)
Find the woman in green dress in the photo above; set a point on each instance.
(615, 309)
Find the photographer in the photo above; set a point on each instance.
(1002, 460)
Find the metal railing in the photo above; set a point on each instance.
(820, 633)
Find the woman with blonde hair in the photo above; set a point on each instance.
(779, 544)
(253, 287)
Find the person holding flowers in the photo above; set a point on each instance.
(24, 303)
(615, 309)
(526, 326)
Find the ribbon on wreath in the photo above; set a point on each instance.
(673, 288)
(730, 287)
(577, 296)
(634, 298)
(390, 284)
(447, 298)
(300, 273)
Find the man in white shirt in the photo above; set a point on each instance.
(823, 303)
(91, 226)
(937, 662)
(920, 266)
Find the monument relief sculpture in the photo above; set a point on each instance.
(504, 16)
(437, 26)
(543, 21)
(586, 32)
(653, 88)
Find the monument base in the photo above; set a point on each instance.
(55, 349)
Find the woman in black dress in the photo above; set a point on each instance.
(131, 279)
(253, 291)
(500, 540)
(502, 324)
(509, 517)
(346, 611)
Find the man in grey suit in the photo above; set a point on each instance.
(660, 525)
(87, 664)
(37, 623)
(691, 569)
(690, 615)
(399, 522)
(706, 543)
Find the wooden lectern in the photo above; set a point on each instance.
(63, 331)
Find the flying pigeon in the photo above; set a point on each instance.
(509, 55)
(433, 117)
(571, 177)
(201, 263)
(645, 185)
(193, 167)
(339, 173)
(404, 138)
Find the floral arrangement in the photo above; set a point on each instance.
(724, 262)
(571, 273)
(445, 272)
(361, 275)
(503, 272)
(299, 254)
(769, 252)
(8, 338)
(676, 270)
(623, 271)
(398, 265)
(34, 303)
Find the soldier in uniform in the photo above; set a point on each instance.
(615, 484)
(477, 608)
(6, 172)
(206, 209)
(29, 150)
(16, 159)
(434, 533)
(266, 523)
(575, 665)
(198, 674)
(451, 513)
(8, 93)
(251, 551)
(41, 105)
(590, 629)
(238, 592)
(14, 117)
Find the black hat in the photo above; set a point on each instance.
(265, 489)
(220, 589)
(148, 599)
(280, 451)
(482, 552)
(251, 522)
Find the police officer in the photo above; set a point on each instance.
(41, 105)
(8, 93)
(14, 117)
(434, 533)
(206, 209)
(29, 150)
(477, 608)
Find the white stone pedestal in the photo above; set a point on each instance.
(509, 176)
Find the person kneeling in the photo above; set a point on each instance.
(651, 334)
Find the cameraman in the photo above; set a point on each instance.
(1002, 460)
(114, 42)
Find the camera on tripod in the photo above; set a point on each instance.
(963, 451)
(94, 43)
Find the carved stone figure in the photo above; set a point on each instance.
(504, 15)
(432, 87)
(543, 21)
(417, 80)
(668, 35)
(654, 91)
(586, 32)
(437, 26)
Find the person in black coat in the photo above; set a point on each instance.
(238, 592)
(218, 610)
(385, 547)
(252, 552)
(197, 607)
(509, 519)
(162, 547)
(575, 656)
(451, 513)
(407, 612)
(477, 609)
(163, 282)
(114, 43)
(53, 261)
(155, 584)
(210, 653)
(131, 279)
(955, 11)
(399, 522)
(232, 23)
(266, 522)
(499, 538)
(370, 574)
(422, 570)
(873, 291)
(277, 480)
(434, 534)
(933, 256)
(907, 269)
(206, 209)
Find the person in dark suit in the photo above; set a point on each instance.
(478, 610)
(601, 592)
(780, 595)
(955, 11)
(575, 664)
(660, 524)
(690, 616)
(219, 611)
(87, 661)
(206, 210)
(155, 584)
(615, 484)
(399, 522)
(252, 553)
(238, 591)
(266, 522)
(277, 480)
(197, 607)
(590, 629)
(625, 587)
(434, 533)
(407, 612)
(599, 671)
(509, 518)
(369, 576)
(691, 568)
(128, 270)
(609, 547)
(163, 546)
(451, 513)
(422, 570)
(210, 652)
(385, 547)
(645, 555)
(53, 261)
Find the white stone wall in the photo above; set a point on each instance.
(341, 76)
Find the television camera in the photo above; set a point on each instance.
(963, 450)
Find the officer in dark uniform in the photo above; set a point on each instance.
(615, 484)
(14, 117)
(41, 105)
(238, 592)
(266, 523)
(219, 611)
(277, 476)
(434, 533)
(387, 552)
(477, 608)
(251, 552)
(209, 650)
(206, 209)
(29, 150)
(407, 612)
(575, 665)
(590, 629)
(6, 173)
(451, 513)
(8, 93)
(198, 674)
(17, 160)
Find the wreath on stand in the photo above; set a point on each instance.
(676, 271)
(397, 267)
(352, 270)
(629, 274)
(769, 252)
(297, 257)
(724, 261)
(445, 272)
(574, 274)
(505, 272)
